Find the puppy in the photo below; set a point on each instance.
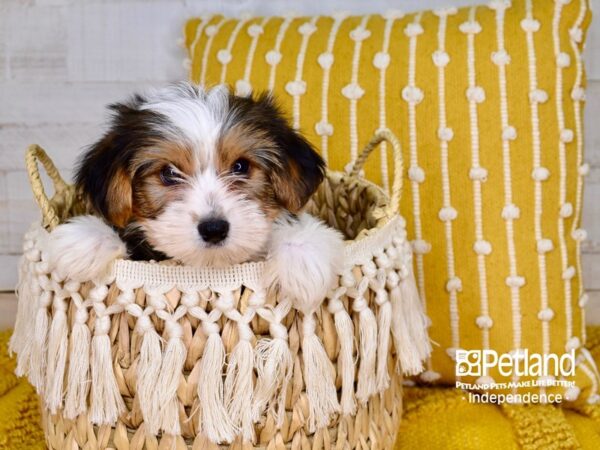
(204, 178)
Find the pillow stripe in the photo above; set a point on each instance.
(276, 52)
(537, 96)
(561, 58)
(482, 247)
(324, 127)
(297, 88)
(577, 88)
(447, 213)
(245, 87)
(212, 32)
(381, 61)
(510, 211)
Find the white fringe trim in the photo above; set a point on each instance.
(72, 368)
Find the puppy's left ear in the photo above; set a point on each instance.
(301, 168)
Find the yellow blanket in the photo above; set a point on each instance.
(434, 418)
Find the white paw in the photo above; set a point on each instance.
(305, 257)
(83, 248)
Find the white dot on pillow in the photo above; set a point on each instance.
(540, 174)
(445, 134)
(546, 315)
(470, 27)
(412, 94)
(447, 213)
(566, 210)
(484, 322)
(475, 94)
(531, 25)
(515, 281)
(579, 234)
(415, 173)
(440, 58)
(482, 247)
(538, 96)
(353, 91)
(381, 60)
(544, 246)
(511, 212)
(420, 246)
(566, 135)
(325, 60)
(454, 284)
(413, 29)
(568, 273)
(563, 60)
(478, 174)
(509, 133)
(500, 58)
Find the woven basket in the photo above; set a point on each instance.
(160, 355)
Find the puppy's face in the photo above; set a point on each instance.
(198, 176)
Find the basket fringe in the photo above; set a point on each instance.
(79, 363)
(149, 364)
(107, 403)
(345, 332)
(39, 350)
(318, 377)
(408, 357)
(384, 323)
(238, 383)
(367, 326)
(215, 422)
(170, 373)
(28, 292)
(412, 310)
(274, 366)
(57, 353)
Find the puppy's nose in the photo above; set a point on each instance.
(213, 231)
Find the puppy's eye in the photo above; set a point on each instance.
(169, 176)
(240, 167)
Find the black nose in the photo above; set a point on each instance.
(213, 230)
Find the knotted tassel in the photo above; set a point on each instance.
(148, 368)
(107, 403)
(28, 292)
(57, 348)
(384, 325)
(367, 327)
(318, 377)
(26, 307)
(170, 371)
(413, 310)
(79, 362)
(215, 422)
(274, 364)
(238, 382)
(39, 349)
(408, 357)
(345, 332)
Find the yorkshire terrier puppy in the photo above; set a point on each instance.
(204, 178)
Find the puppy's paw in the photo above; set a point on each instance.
(304, 259)
(83, 248)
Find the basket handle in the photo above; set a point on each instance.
(36, 154)
(384, 134)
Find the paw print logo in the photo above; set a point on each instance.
(468, 363)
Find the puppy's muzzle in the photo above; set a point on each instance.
(213, 231)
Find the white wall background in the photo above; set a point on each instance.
(62, 61)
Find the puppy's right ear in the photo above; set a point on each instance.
(106, 182)
(104, 174)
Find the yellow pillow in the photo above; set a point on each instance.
(487, 101)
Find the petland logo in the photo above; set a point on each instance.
(479, 363)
